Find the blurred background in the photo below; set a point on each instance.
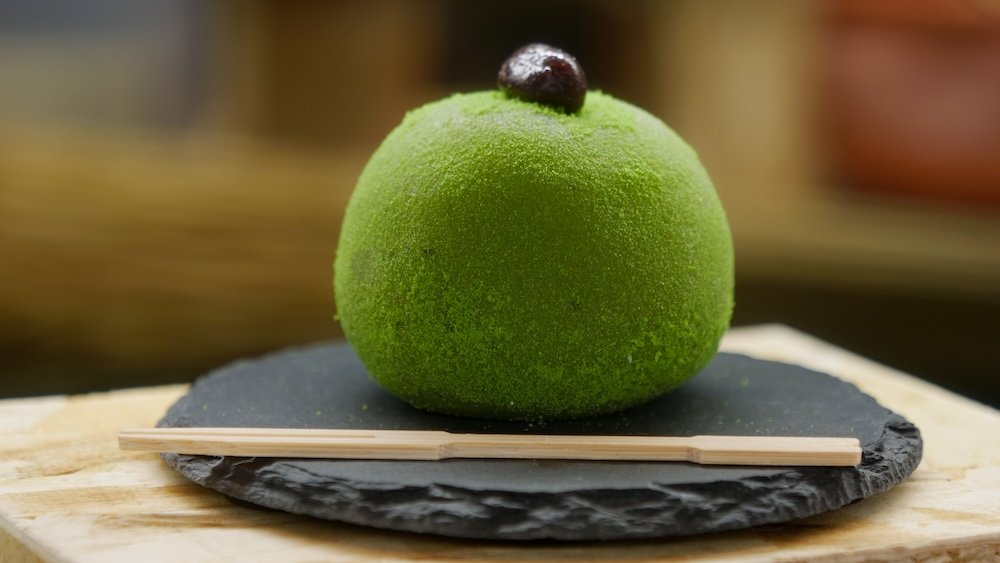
(173, 172)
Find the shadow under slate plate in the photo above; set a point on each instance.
(325, 386)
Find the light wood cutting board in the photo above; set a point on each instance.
(67, 493)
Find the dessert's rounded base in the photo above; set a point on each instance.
(326, 386)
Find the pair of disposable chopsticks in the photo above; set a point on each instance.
(436, 445)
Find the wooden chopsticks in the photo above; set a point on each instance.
(436, 445)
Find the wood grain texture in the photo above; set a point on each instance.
(67, 493)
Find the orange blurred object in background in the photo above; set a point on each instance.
(913, 93)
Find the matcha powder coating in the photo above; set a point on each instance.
(502, 259)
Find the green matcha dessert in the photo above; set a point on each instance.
(530, 253)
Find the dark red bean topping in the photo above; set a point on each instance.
(546, 75)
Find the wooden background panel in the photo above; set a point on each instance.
(127, 257)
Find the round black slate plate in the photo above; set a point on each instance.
(326, 386)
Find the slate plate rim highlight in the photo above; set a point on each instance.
(597, 513)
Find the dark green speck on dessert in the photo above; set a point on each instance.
(503, 258)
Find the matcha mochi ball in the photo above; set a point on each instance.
(501, 258)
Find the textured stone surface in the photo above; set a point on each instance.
(325, 386)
